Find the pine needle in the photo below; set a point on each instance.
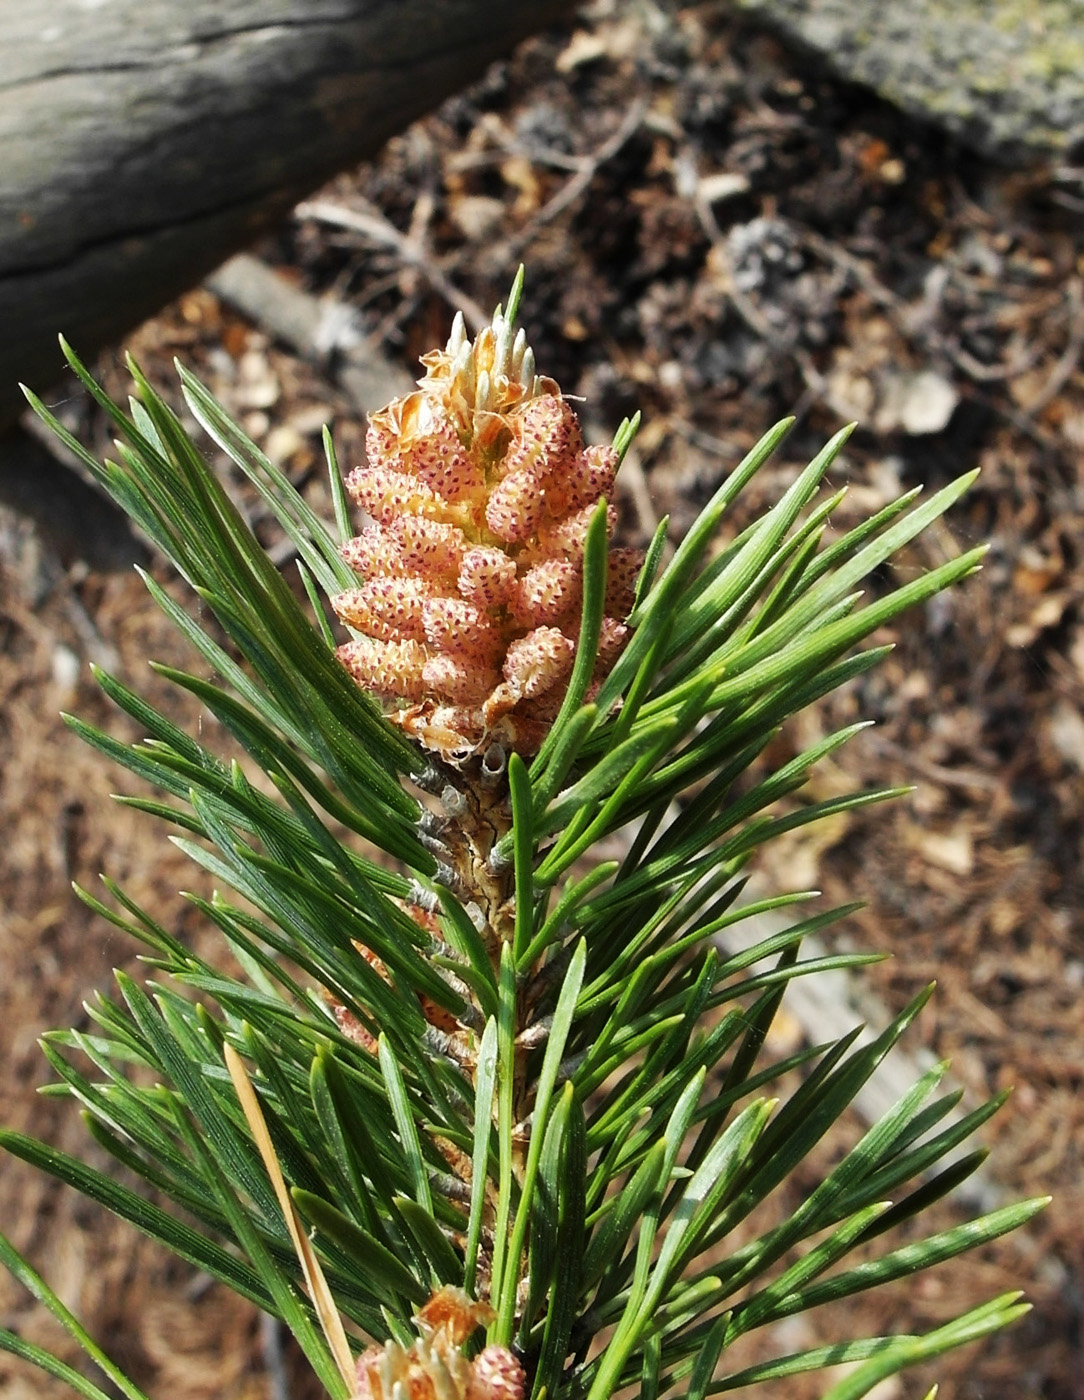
(317, 1284)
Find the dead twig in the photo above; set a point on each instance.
(903, 317)
(967, 781)
(573, 188)
(414, 252)
(1070, 356)
(708, 442)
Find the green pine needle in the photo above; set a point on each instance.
(555, 1091)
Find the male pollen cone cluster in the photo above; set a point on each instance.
(434, 1368)
(479, 491)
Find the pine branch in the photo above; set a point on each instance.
(506, 1090)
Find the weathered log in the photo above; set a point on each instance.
(70, 516)
(143, 141)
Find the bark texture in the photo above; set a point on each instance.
(142, 142)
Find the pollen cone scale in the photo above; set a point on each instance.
(479, 491)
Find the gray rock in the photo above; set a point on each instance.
(1006, 76)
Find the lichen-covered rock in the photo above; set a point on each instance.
(480, 492)
(1006, 77)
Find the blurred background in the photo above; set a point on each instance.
(718, 230)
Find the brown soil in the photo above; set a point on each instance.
(755, 240)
